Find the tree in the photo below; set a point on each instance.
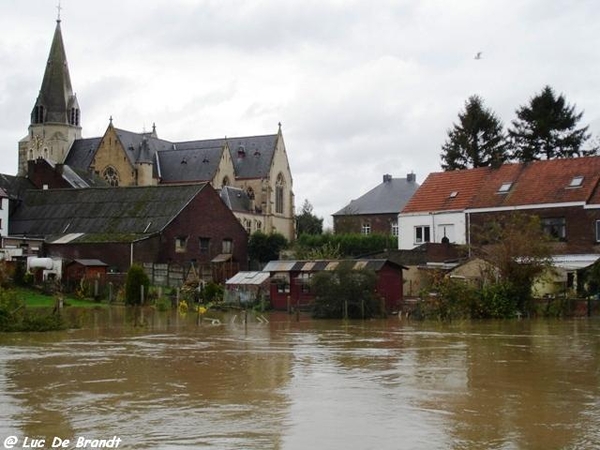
(546, 128)
(519, 250)
(307, 222)
(478, 140)
(266, 247)
(136, 278)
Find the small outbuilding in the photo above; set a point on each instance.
(79, 269)
(290, 281)
(245, 288)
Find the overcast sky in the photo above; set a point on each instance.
(362, 88)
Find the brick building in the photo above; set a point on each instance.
(376, 212)
(182, 224)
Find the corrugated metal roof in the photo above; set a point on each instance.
(319, 265)
(254, 278)
(90, 262)
(279, 266)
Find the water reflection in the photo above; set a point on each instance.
(172, 382)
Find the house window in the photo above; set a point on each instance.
(283, 288)
(227, 246)
(366, 228)
(394, 229)
(597, 230)
(248, 226)
(555, 227)
(505, 187)
(422, 234)
(204, 245)
(279, 185)
(180, 244)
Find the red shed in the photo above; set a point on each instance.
(89, 269)
(290, 281)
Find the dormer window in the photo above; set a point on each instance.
(505, 187)
(576, 181)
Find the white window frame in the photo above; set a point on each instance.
(366, 228)
(424, 231)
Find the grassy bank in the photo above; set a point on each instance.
(35, 299)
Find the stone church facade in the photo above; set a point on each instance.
(251, 173)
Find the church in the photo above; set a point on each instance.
(251, 174)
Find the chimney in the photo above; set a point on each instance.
(411, 177)
(387, 178)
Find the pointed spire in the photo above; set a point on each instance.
(56, 100)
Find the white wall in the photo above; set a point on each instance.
(453, 223)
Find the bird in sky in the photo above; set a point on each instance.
(478, 55)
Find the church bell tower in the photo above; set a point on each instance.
(55, 118)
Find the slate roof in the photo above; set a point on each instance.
(101, 214)
(236, 199)
(82, 153)
(188, 164)
(141, 147)
(388, 197)
(251, 156)
(543, 182)
(15, 186)
(257, 158)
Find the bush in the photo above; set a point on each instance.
(14, 316)
(212, 292)
(349, 245)
(456, 300)
(136, 278)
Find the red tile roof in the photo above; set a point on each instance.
(540, 182)
(447, 191)
(534, 183)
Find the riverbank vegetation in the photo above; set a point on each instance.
(513, 254)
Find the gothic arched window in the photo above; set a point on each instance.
(279, 189)
(111, 176)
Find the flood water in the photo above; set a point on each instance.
(285, 384)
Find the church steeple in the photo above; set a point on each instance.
(55, 118)
(56, 102)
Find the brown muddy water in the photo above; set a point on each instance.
(388, 384)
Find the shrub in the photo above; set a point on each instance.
(136, 278)
(14, 316)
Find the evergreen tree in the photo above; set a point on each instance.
(136, 278)
(307, 222)
(546, 128)
(478, 139)
(266, 247)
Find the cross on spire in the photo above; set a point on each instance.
(58, 7)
